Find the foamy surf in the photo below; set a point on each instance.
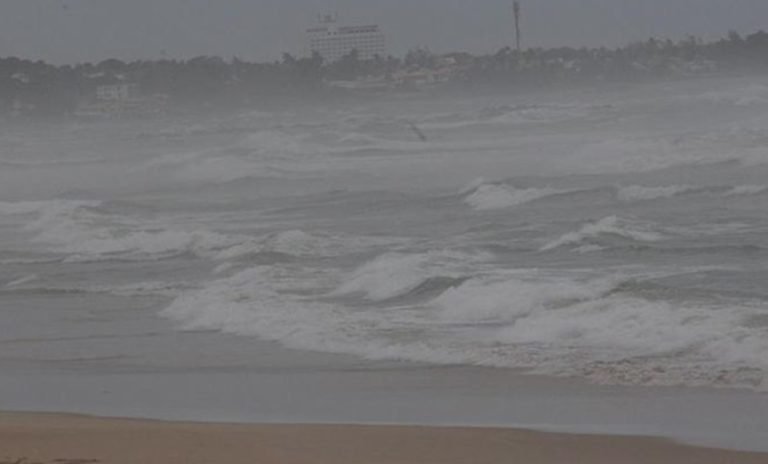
(496, 196)
(640, 193)
(620, 237)
(612, 226)
(554, 324)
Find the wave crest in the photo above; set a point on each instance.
(609, 226)
(486, 197)
(395, 274)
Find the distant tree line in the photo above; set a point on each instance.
(653, 58)
(41, 89)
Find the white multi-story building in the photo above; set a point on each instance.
(333, 42)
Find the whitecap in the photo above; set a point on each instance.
(493, 196)
(635, 193)
(611, 225)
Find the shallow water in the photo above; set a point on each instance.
(615, 235)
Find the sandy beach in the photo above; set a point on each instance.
(48, 439)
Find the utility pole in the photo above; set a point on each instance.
(517, 24)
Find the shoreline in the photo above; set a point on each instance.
(283, 386)
(47, 438)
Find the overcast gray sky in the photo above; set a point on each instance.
(80, 30)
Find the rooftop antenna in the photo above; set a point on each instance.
(516, 7)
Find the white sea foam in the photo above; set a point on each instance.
(22, 280)
(507, 298)
(83, 233)
(254, 302)
(609, 226)
(494, 196)
(74, 228)
(140, 244)
(552, 324)
(299, 243)
(395, 274)
(323, 285)
(636, 193)
(157, 288)
(641, 193)
(625, 339)
(746, 190)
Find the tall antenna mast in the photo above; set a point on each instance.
(517, 24)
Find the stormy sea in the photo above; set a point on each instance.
(451, 248)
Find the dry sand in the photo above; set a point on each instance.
(65, 439)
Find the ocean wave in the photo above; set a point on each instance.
(81, 231)
(746, 190)
(274, 143)
(509, 115)
(270, 153)
(743, 96)
(640, 154)
(30, 163)
(395, 274)
(508, 298)
(611, 226)
(641, 193)
(23, 261)
(34, 286)
(298, 243)
(86, 232)
(637, 193)
(106, 245)
(22, 280)
(45, 208)
(551, 324)
(255, 302)
(483, 196)
(498, 196)
(625, 339)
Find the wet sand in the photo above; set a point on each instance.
(70, 439)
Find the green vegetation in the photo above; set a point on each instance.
(37, 89)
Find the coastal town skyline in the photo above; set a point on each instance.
(63, 31)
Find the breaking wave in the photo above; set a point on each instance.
(552, 324)
(83, 232)
(641, 193)
(496, 196)
(297, 243)
(636, 193)
(483, 196)
(746, 190)
(612, 226)
(395, 274)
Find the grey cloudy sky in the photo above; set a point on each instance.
(81, 30)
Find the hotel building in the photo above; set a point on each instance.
(333, 42)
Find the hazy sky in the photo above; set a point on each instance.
(80, 30)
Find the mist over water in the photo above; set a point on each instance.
(617, 235)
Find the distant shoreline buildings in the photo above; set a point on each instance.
(333, 42)
(116, 89)
(120, 100)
